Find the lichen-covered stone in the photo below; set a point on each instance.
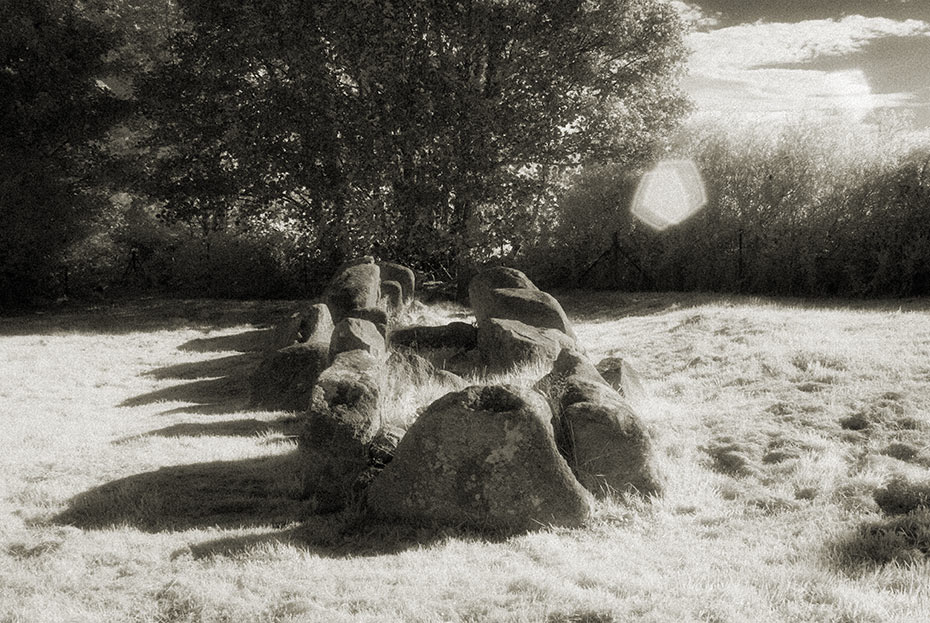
(316, 324)
(622, 376)
(532, 307)
(356, 334)
(338, 428)
(611, 451)
(405, 365)
(391, 271)
(605, 442)
(505, 344)
(285, 378)
(492, 278)
(483, 457)
(374, 315)
(354, 288)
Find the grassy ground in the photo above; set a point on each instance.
(137, 486)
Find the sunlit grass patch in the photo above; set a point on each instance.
(181, 504)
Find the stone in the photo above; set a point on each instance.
(407, 366)
(532, 307)
(573, 379)
(500, 277)
(285, 378)
(611, 450)
(337, 430)
(599, 433)
(450, 378)
(354, 288)
(483, 457)
(623, 377)
(392, 296)
(492, 278)
(573, 363)
(505, 344)
(357, 334)
(374, 315)
(364, 259)
(391, 271)
(461, 363)
(316, 325)
(457, 335)
(313, 325)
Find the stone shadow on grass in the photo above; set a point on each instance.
(208, 368)
(348, 534)
(120, 317)
(287, 425)
(251, 492)
(215, 386)
(246, 342)
(902, 539)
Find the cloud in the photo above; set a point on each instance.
(694, 15)
(737, 68)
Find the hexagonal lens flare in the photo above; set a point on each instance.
(668, 194)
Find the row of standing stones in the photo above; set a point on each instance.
(496, 457)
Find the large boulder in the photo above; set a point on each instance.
(493, 278)
(313, 325)
(402, 275)
(483, 457)
(355, 261)
(316, 325)
(357, 334)
(533, 307)
(374, 315)
(338, 428)
(457, 335)
(354, 288)
(285, 378)
(611, 450)
(505, 344)
(605, 442)
(406, 365)
(573, 379)
(623, 377)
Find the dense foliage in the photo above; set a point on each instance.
(246, 147)
(53, 111)
(809, 207)
(427, 131)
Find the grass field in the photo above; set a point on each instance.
(137, 486)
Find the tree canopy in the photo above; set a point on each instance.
(436, 133)
(427, 130)
(53, 111)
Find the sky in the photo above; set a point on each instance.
(784, 58)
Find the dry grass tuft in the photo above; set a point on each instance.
(901, 496)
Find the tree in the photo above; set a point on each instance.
(421, 129)
(52, 110)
